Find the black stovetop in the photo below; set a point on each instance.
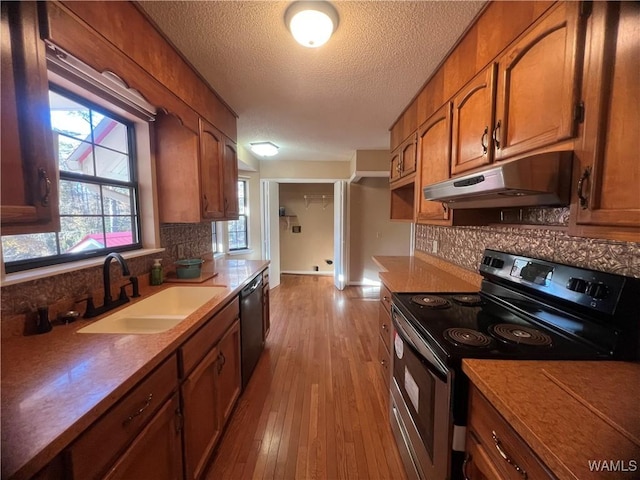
(446, 327)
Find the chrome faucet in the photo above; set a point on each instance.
(109, 303)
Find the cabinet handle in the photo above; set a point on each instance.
(383, 363)
(505, 457)
(496, 133)
(221, 361)
(206, 202)
(139, 412)
(42, 175)
(467, 458)
(483, 140)
(584, 201)
(385, 327)
(385, 299)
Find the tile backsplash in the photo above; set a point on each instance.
(64, 289)
(464, 246)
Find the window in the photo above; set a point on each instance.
(238, 232)
(98, 192)
(214, 237)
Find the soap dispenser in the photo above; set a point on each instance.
(156, 272)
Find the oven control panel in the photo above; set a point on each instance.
(595, 290)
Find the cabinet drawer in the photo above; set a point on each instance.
(385, 329)
(385, 297)
(98, 447)
(201, 342)
(499, 440)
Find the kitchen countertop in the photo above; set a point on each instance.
(569, 412)
(56, 385)
(425, 274)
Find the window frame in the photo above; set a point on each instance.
(133, 184)
(244, 216)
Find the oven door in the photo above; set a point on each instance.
(420, 404)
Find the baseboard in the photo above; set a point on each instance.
(306, 272)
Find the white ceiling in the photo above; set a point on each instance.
(316, 104)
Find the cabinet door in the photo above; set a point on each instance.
(434, 156)
(473, 107)
(201, 420)
(211, 171)
(408, 156)
(29, 193)
(538, 85)
(231, 210)
(157, 452)
(608, 172)
(229, 372)
(177, 169)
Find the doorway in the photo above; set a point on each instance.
(316, 203)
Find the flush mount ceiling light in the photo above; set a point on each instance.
(311, 22)
(264, 149)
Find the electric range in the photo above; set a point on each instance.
(528, 309)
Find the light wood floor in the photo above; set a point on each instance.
(314, 408)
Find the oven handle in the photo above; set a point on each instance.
(408, 333)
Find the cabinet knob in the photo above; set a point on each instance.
(44, 178)
(483, 140)
(584, 202)
(506, 457)
(496, 134)
(385, 327)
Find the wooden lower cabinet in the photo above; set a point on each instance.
(211, 389)
(494, 450)
(385, 337)
(156, 454)
(266, 314)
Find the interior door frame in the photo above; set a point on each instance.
(270, 229)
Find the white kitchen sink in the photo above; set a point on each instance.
(156, 313)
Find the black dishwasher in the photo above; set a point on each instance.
(251, 327)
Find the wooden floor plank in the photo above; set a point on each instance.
(315, 407)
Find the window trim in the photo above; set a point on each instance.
(247, 246)
(17, 266)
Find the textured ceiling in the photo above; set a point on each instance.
(316, 104)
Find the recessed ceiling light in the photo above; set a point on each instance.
(264, 149)
(311, 22)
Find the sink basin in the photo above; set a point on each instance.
(156, 313)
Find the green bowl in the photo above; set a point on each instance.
(189, 268)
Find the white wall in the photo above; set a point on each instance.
(371, 231)
(300, 252)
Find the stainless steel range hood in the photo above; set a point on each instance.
(538, 180)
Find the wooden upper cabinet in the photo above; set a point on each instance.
(473, 120)
(212, 151)
(29, 201)
(538, 89)
(403, 160)
(434, 157)
(607, 173)
(231, 207)
(177, 170)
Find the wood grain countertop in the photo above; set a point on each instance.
(425, 273)
(56, 385)
(570, 413)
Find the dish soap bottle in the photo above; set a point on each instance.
(156, 272)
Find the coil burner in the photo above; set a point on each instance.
(430, 301)
(521, 335)
(467, 337)
(467, 300)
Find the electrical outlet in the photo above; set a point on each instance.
(180, 251)
(434, 247)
